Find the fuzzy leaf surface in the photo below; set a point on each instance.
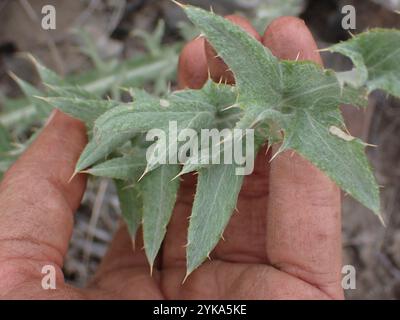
(42, 107)
(86, 110)
(131, 205)
(216, 196)
(376, 56)
(159, 195)
(287, 95)
(218, 97)
(129, 167)
(247, 58)
(123, 122)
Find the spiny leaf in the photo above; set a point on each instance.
(144, 116)
(142, 96)
(165, 150)
(42, 107)
(376, 56)
(121, 123)
(343, 161)
(73, 100)
(131, 204)
(211, 150)
(81, 108)
(47, 75)
(216, 195)
(95, 151)
(70, 91)
(217, 96)
(244, 55)
(310, 109)
(296, 92)
(78, 102)
(159, 195)
(129, 167)
(136, 72)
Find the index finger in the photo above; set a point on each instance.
(37, 200)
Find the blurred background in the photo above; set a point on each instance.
(105, 45)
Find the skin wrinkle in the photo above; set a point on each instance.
(23, 236)
(236, 270)
(311, 277)
(98, 283)
(53, 254)
(268, 272)
(53, 203)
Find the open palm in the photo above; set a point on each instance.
(283, 241)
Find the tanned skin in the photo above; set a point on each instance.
(283, 243)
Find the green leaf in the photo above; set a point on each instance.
(219, 95)
(42, 107)
(159, 195)
(78, 102)
(83, 109)
(152, 40)
(97, 150)
(376, 56)
(293, 103)
(298, 97)
(340, 156)
(6, 159)
(136, 71)
(143, 116)
(131, 205)
(216, 196)
(122, 123)
(247, 58)
(48, 76)
(5, 140)
(212, 96)
(71, 91)
(212, 153)
(129, 167)
(307, 130)
(5, 164)
(89, 48)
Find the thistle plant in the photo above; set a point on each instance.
(291, 103)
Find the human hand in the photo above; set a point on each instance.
(284, 242)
